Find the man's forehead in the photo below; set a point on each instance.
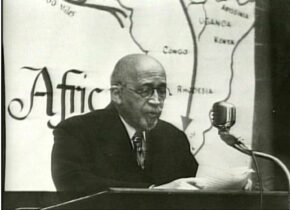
(145, 69)
(150, 75)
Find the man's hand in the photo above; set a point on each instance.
(181, 184)
(249, 185)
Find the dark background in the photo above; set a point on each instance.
(279, 20)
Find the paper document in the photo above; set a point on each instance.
(211, 178)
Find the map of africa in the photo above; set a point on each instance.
(206, 47)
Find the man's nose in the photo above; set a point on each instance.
(154, 99)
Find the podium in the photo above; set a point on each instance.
(128, 198)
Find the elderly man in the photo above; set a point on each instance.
(125, 144)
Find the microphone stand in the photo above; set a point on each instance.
(240, 146)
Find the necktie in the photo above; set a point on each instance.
(139, 148)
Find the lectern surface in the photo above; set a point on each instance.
(131, 198)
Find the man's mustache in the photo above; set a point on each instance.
(156, 111)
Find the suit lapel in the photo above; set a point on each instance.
(116, 143)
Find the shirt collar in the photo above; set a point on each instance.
(130, 130)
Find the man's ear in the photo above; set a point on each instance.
(116, 94)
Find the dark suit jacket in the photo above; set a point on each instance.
(92, 152)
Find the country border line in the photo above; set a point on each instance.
(246, 2)
(232, 59)
(131, 27)
(238, 2)
(204, 26)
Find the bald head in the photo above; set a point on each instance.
(131, 66)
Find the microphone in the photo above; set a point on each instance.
(223, 116)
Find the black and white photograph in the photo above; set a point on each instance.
(141, 104)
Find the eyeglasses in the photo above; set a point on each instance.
(147, 91)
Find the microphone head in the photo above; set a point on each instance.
(223, 115)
